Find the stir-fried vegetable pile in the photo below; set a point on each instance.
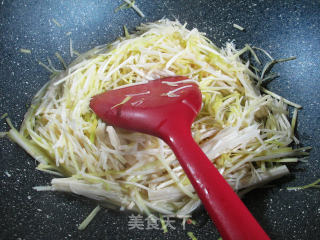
(245, 133)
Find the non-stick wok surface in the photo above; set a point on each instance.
(284, 28)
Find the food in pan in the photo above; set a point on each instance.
(242, 127)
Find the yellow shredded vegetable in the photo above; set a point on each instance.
(243, 131)
(89, 218)
(191, 236)
(27, 51)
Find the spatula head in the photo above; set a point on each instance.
(152, 107)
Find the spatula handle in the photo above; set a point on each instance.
(230, 215)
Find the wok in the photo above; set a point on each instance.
(283, 28)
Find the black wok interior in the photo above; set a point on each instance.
(283, 28)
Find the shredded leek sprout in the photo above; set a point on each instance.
(61, 59)
(245, 132)
(238, 27)
(3, 116)
(27, 51)
(314, 184)
(163, 224)
(90, 217)
(130, 4)
(191, 236)
(56, 22)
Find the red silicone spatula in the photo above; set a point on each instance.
(166, 108)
